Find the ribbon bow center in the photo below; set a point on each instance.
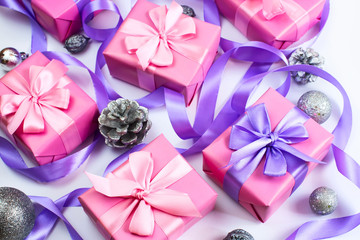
(140, 193)
(273, 136)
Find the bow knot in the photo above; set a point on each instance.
(252, 138)
(273, 137)
(141, 195)
(155, 45)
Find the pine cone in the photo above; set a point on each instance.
(309, 57)
(124, 123)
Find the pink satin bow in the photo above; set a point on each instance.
(155, 46)
(39, 100)
(149, 199)
(272, 8)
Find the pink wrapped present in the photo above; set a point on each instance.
(262, 159)
(276, 22)
(60, 18)
(156, 194)
(43, 110)
(156, 46)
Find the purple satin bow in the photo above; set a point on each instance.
(252, 138)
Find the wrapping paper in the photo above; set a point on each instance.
(162, 152)
(260, 194)
(281, 30)
(48, 145)
(184, 75)
(60, 18)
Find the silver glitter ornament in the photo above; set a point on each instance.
(124, 123)
(9, 58)
(17, 214)
(308, 57)
(239, 234)
(316, 105)
(323, 201)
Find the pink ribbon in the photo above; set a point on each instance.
(41, 99)
(171, 32)
(270, 9)
(147, 199)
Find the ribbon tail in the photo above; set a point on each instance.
(142, 222)
(291, 150)
(275, 164)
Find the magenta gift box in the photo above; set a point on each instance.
(184, 75)
(60, 18)
(262, 195)
(49, 145)
(203, 197)
(280, 31)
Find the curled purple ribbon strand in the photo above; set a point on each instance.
(38, 38)
(49, 213)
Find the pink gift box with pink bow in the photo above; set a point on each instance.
(60, 18)
(43, 111)
(156, 194)
(267, 154)
(276, 22)
(158, 46)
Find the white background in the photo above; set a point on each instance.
(338, 43)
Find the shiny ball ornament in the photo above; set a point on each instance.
(76, 43)
(305, 56)
(316, 105)
(17, 214)
(9, 58)
(323, 201)
(188, 11)
(239, 234)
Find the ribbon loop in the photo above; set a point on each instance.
(140, 193)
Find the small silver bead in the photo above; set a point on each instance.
(323, 201)
(316, 105)
(9, 58)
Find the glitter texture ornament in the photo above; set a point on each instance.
(76, 43)
(308, 57)
(239, 234)
(188, 11)
(17, 214)
(316, 105)
(124, 123)
(9, 58)
(323, 201)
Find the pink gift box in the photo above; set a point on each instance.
(203, 197)
(49, 145)
(280, 31)
(260, 194)
(60, 18)
(184, 75)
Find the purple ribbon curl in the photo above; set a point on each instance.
(38, 38)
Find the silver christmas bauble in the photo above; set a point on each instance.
(316, 105)
(305, 56)
(17, 214)
(323, 201)
(239, 234)
(9, 58)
